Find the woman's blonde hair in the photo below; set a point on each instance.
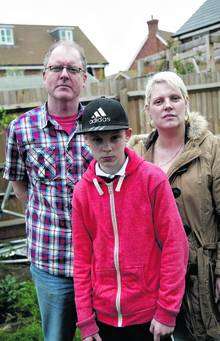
(168, 77)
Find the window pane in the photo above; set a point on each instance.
(69, 35)
(62, 34)
(6, 36)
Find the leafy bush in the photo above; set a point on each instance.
(27, 304)
(29, 332)
(5, 119)
(18, 306)
(183, 68)
(18, 300)
(9, 288)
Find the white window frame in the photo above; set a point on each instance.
(6, 36)
(66, 35)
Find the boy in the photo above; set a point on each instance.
(130, 249)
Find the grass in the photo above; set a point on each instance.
(19, 313)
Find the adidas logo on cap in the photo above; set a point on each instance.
(102, 114)
(99, 116)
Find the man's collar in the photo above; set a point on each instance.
(45, 117)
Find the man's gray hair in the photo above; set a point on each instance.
(67, 44)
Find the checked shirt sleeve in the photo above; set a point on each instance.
(14, 166)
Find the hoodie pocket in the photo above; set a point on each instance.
(104, 285)
(135, 296)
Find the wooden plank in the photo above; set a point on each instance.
(154, 57)
(21, 105)
(204, 86)
(192, 101)
(218, 108)
(189, 45)
(12, 229)
(215, 113)
(215, 38)
(210, 110)
(12, 232)
(137, 93)
(91, 98)
(11, 222)
(142, 116)
(198, 102)
(133, 115)
(184, 55)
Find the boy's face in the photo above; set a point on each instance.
(108, 148)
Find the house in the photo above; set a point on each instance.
(206, 19)
(155, 43)
(199, 37)
(120, 75)
(22, 48)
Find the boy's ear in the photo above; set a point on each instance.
(128, 133)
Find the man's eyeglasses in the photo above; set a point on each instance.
(59, 68)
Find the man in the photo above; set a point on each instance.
(44, 160)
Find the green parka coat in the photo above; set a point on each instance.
(195, 179)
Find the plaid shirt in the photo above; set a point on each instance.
(51, 161)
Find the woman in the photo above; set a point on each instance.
(189, 153)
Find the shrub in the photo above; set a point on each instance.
(29, 332)
(183, 68)
(19, 310)
(5, 119)
(8, 297)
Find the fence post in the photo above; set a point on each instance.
(123, 97)
(210, 61)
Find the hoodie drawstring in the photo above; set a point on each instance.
(97, 186)
(117, 189)
(119, 184)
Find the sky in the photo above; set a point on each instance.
(117, 28)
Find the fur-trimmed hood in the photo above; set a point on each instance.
(198, 125)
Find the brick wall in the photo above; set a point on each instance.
(152, 45)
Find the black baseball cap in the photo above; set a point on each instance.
(102, 114)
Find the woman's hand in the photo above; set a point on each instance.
(158, 329)
(93, 337)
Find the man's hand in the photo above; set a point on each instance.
(158, 329)
(93, 337)
(217, 290)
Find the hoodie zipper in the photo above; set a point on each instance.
(116, 252)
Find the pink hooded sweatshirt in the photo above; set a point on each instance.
(130, 248)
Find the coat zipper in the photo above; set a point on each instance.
(116, 253)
